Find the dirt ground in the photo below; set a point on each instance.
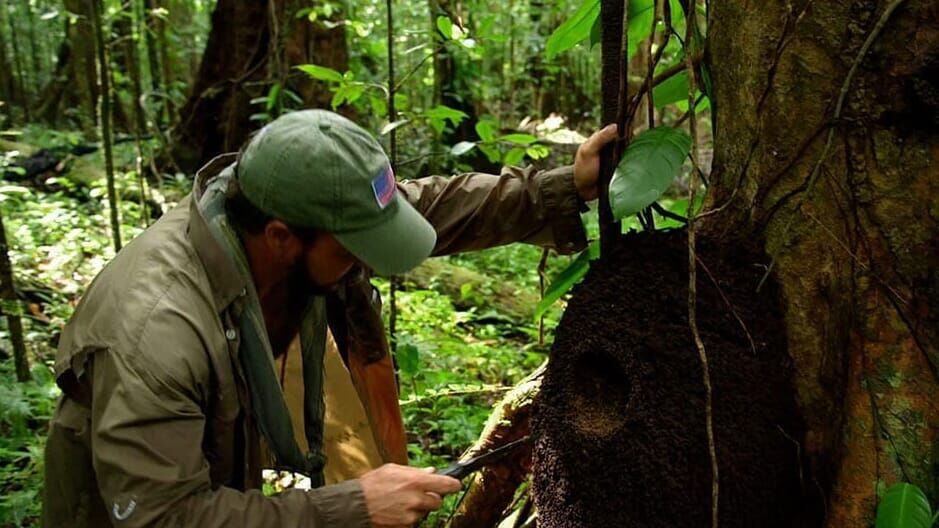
(620, 420)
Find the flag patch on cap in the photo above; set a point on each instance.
(384, 187)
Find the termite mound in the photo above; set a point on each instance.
(620, 419)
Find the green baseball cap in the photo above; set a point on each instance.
(317, 169)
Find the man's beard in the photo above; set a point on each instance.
(301, 284)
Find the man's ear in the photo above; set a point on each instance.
(283, 244)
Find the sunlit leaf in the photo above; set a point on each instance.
(321, 73)
(538, 151)
(520, 139)
(649, 165)
(904, 506)
(445, 26)
(566, 280)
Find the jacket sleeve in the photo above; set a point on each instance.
(476, 211)
(147, 431)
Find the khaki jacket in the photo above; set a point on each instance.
(154, 427)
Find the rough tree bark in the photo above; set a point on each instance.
(855, 244)
(251, 46)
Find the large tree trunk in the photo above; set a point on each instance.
(251, 46)
(857, 253)
(826, 137)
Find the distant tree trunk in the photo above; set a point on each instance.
(104, 118)
(22, 96)
(7, 80)
(251, 45)
(853, 225)
(34, 51)
(72, 90)
(9, 298)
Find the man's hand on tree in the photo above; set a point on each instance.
(399, 496)
(587, 162)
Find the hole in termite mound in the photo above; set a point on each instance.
(620, 420)
(601, 392)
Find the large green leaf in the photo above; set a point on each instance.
(903, 506)
(574, 30)
(649, 165)
(566, 280)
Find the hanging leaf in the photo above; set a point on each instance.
(649, 165)
(574, 30)
(904, 506)
(519, 139)
(321, 73)
(393, 125)
(462, 148)
(566, 280)
(674, 89)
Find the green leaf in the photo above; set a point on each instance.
(574, 30)
(462, 148)
(320, 72)
(566, 280)
(445, 112)
(379, 105)
(514, 156)
(445, 26)
(272, 96)
(649, 165)
(408, 358)
(703, 104)
(519, 139)
(486, 129)
(903, 506)
(674, 89)
(492, 153)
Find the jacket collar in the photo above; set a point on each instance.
(226, 282)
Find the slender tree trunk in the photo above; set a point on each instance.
(849, 205)
(80, 85)
(104, 118)
(9, 298)
(246, 49)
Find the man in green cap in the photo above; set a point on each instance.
(171, 401)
